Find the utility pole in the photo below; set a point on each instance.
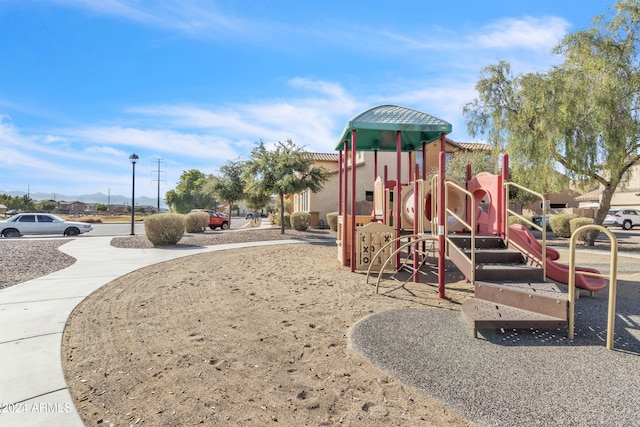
(158, 178)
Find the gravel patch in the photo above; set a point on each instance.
(24, 260)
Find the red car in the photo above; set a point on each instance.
(216, 219)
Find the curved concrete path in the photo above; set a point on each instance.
(33, 314)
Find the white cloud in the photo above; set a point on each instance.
(529, 33)
(200, 19)
(310, 121)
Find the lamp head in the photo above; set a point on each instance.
(133, 158)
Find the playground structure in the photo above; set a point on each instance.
(467, 221)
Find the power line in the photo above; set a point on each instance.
(159, 161)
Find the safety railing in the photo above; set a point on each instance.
(414, 239)
(542, 228)
(612, 276)
(434, 198)
(472, 227)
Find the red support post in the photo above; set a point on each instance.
(398, 196)
(416, 230)
(385, 208)
(345, 164)
(340, 183)
(375, 165)
(468, 212)
(353, 200)
(424, 160)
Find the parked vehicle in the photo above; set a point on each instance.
(248, 216)
(216, 219)
(537, 219)
(625, 218)
(36, 223)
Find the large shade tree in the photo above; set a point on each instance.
(285, 169)
(230, 185)
(580, 117)
(189, 193)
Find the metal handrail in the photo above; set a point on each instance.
(424, 238)
(381, 250)
(472, 226)
(613, 268)
(542, 228)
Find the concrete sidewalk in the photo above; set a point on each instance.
(33, 314)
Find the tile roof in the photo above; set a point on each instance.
(472, 146)
(326, 157)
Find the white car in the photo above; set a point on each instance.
(625, 218)
(41, 223)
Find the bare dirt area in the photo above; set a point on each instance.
(241, 337)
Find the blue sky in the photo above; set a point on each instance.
(85, 83)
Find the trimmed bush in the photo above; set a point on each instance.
(560, 224)
(90, 219)
(196, 222)
(164, 229)
(300, 221)
(332, 221)
(515, 220)
(576, 223)
(287, 220)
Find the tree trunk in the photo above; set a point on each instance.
(281, 213)
(605, 204)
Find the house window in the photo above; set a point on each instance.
(301, 202)
(368, 196)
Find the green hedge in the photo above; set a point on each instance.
(560, 224)
(300, 221)
(196, 222)
(576, 223)
(332, 221)
(276, 220)
(515, 220)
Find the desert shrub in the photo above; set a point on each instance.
(164, 229)
(300, 221)
(276, 220)
(90, 219)
(332, 221)
(560, 224)
(576, 223)
(515, 220)
(196, 222)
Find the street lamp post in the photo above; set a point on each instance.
(134, 159)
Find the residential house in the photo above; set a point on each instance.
(70, 208)
(626, 195)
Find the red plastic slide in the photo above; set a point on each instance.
(555, 271)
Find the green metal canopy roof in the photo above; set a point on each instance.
(376, 129)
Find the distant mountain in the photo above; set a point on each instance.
(89, 198)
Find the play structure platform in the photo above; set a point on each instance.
(517, 280)
(509, 289)
(516, 305)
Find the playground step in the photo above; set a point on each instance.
(508, 272)
(541, 297)
(481, 242)
(496, 256)
(481, 314)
